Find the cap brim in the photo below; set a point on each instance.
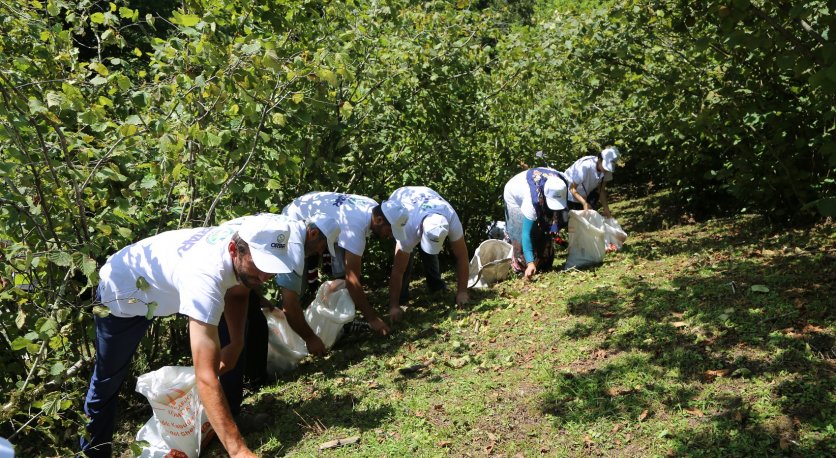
(609, 166)
(399, 233)
(554, 204)
(272, 264)
(430, 247)
(332, 248)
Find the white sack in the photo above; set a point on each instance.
(284, 347)
(586, 239)
(326, 316)
(491, 263)
(614, 235)
(331, 309)
(179, 424)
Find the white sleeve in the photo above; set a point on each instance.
(201, 298)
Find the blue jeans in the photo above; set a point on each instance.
(117, 339)
(432, 272)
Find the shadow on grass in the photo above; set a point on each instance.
(673, 341)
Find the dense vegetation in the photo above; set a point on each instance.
(120, 119)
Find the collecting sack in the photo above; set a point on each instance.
(326, 315)
(586, 239)
(491, 263)
(179, 427)
(614, 235)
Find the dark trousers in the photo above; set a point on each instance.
(117, 339)
(432, 272)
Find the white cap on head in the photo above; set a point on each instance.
(329, 228)
(555, 191)
(435, 228)
(268, 236)
(397, 215)
(608, 158)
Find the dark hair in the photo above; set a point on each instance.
(378, 211)
(243, 247)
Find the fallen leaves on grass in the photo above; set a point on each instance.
(710, 375)
(694, 412)
(643, 415)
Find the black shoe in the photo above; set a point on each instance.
(356, 327)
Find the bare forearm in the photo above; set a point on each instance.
(355, 290)
(395, 285)
(296, 319)
(217, 409)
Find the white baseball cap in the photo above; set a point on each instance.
(435, 228)
(555, 191)
(608, 158)
(329, 228)
(397, 215)
(268, 236)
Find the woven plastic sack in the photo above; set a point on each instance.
(491, 263)
(614, 235)
(179, 426)
(586, 239)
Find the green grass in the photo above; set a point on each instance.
(665, 350)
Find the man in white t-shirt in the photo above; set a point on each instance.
(205, 274)
(358, 216)
(588, 177)
(431, 220)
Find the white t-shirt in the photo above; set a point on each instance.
(584, 173)
(421, 201)
(518, 195)
(188, 271)
(352, 212)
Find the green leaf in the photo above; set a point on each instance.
(186, 20)
(278, 119)
(273, 184)
(152, 307)
(127, 130)
(51, 406)
(20, 343)
(760, 289)
(60, 258)
(142, 283)
(101, 311)
(97, 18)
(57, 368)
(126, 13)
(251, 48)
(328, 76)
(148, 182)
(88, 266)
(36, 106)
(20, 320)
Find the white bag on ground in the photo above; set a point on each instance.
(614, 235)
(284, 347)
(331, 309)
(326, 316)
(491, 263)
(586, 239)
(179, 424)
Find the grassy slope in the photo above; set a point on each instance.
(665, 349)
